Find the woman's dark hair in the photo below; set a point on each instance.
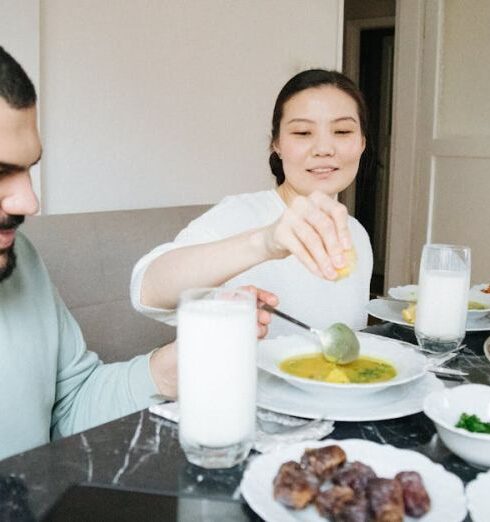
(15, 86)
(307, 80)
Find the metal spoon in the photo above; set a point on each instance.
(339, 343)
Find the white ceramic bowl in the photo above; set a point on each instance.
(444, 409)
(409, 364)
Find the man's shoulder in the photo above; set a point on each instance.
(29, 260)
(24, 249)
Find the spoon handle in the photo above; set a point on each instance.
(285, 316)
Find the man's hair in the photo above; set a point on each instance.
(15, 86)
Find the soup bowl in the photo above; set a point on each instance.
(409, 364)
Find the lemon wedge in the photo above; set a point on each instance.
(409, 312)
(350, 265)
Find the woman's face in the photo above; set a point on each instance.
(320, 141)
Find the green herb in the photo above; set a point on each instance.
(473, 423)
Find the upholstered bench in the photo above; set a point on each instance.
(90, 258)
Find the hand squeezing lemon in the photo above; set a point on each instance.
(350, 265)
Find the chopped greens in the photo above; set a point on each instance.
(473, 423)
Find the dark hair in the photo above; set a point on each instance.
(307, 80)
(15, 86)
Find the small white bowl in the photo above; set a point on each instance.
(409, 364)
(446, 406)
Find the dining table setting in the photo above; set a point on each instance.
(388, 423)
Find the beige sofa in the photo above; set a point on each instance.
(90, 257)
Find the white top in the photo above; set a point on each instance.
(301, 294)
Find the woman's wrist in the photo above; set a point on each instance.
(263, 245)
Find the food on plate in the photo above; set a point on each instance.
(350, 265)
(486, 290)
(385, 500)
(355, 475)
(315, 367)
(474, 305)
(408, 313)
(473, 423)
(415, 496)
(345, 491)
(323, 462)
(294, 487)
(332, 501)
(355, 511)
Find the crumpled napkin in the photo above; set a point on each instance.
(272, 430)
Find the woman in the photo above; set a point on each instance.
(291, 240)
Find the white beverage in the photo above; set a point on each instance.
(217, 342)
(442, 304)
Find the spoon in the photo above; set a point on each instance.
(339, 343)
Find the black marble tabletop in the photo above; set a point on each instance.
(141, 451)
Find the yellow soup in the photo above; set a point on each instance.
(314, 366)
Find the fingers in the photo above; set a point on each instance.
(339, 216)
(315, 230)
(263, 316)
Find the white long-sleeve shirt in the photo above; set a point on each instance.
(315, 301)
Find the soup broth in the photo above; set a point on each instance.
(314, 366)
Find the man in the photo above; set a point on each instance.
(50, 385)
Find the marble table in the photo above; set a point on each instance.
(141, 451)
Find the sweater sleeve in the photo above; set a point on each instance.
(89, 392)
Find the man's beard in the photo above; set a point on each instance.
(7, 255)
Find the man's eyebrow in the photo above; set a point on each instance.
(12, 167)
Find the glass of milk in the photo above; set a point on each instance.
(217, 375)
(442, 302)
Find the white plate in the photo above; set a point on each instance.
(478, 499)
(392, 311)
(477, 295)
(404, 293)
(445, 489)
(409, 364)
(277, 395)
(409, 293)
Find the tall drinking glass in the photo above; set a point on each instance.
(442, 302)
(217, 370)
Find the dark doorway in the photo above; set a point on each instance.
(372, 183)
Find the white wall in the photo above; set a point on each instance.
(161, 103)
(19, 35)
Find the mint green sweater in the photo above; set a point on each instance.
(50, 385)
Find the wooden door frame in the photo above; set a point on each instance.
(352, 51)
(407, 204)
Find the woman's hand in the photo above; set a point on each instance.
(314, 229)
(263, 317)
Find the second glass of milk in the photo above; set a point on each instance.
(442, 303)
(217, 375)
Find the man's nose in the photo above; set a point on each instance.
(18, 198)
